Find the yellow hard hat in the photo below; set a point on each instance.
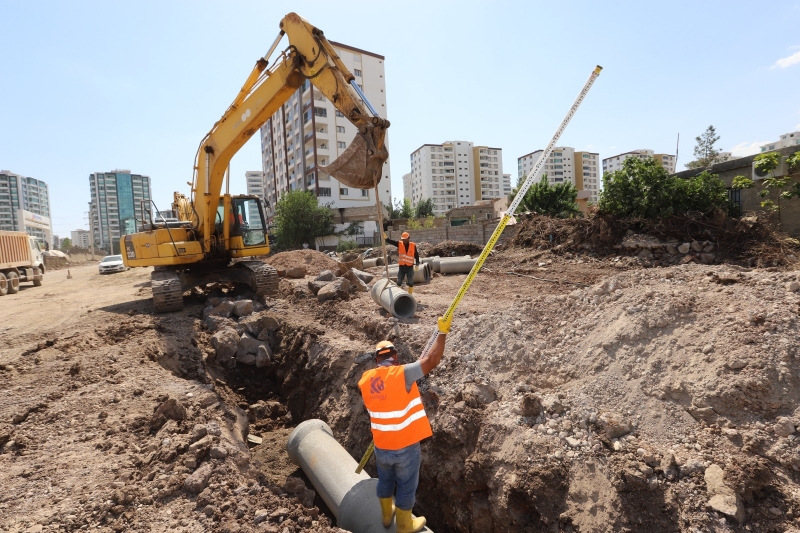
(384, 347)
(405, 235)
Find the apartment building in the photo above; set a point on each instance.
(454, 174)
(787, 139)
(118, 197)
(613, 163)
(506, 185)
(25, 205)
(309, 132)
(80, 238)
(565, 165)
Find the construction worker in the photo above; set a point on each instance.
(399, 423)
(407, 255)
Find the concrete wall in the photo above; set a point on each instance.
(790, 210)
(477, 233)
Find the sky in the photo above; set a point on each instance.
(91, 86)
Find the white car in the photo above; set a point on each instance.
(111, 263)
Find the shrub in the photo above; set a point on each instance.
(343, 246)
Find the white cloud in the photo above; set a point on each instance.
(747, 148)
(785, 62)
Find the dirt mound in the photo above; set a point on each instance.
(314, 261)
(453, 248)
(751, 240)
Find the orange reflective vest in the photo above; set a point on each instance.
(397, 417)
(406, 257)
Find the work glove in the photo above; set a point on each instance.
(444, 325)
(416, 267)
(383, 235)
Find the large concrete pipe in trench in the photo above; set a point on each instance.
(351, 497)
(422, 275)
(388, 295)
(377, 261)
(457, 266)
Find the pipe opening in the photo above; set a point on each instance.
(404, 306)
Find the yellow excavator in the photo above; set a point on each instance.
(214, 233)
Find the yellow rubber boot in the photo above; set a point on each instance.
(387, 511)
(408, 524)
(410, 290)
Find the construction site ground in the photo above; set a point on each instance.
(583, 394)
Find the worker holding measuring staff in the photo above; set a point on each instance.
(398, 422)
(407, 261)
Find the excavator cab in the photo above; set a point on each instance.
(246, 225)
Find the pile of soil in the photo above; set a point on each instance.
(452, 249)
(752, 240)
(314, 261)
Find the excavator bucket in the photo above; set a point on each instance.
(361, 165)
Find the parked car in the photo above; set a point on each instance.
(111, 263)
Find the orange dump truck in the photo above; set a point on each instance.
(20, 260)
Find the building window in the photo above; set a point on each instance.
(343, 191)
(365, 193)
(357, 72)
(320, 111)
(339, 129)
(324, 191)
(339, 114)
(341, 144)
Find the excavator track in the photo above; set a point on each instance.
(265, 275)
(167, 291)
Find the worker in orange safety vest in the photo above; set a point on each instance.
(407, 256)
(398, 422)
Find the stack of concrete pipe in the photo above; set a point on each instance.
(388, 295)
(422, 275)
(351, 497)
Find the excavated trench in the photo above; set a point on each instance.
(467, 483)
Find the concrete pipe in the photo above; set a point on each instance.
(429, 260)
(351, 497)
(388, 295)
(437, 263)
(457, 266)
(377, 261)
(422, 275)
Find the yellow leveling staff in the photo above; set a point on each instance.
(447, 318)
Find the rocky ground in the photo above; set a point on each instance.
(578, 393)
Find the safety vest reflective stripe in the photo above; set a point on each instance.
(402, 425)
(397, 414)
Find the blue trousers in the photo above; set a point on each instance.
(400, 468)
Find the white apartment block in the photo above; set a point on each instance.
(614, 163)
(566, 165)
(787, 139)
(506, 185)
(309, 132)
(116, 206)
(454, 174)
(24, 205)
(80, 238)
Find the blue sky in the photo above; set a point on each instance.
(93, 86)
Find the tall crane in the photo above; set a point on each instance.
(215, 232)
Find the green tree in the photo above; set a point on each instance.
(642, 188)
(394, 211)
(66, 244)
(553, 201)
(299, 218)
(777, 187)
(704, 151)
(424, 208)
(406, 211)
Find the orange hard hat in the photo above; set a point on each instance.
(405, 235)
(384, 347)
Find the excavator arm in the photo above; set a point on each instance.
(309, 57)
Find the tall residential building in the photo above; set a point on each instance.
(80, 238)
(455, 174)
(787, 139)
(116, 207)
(506, 190)
(566, 165)
(613, 163)
(407, 185)
(309, 132)
(24, 205)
